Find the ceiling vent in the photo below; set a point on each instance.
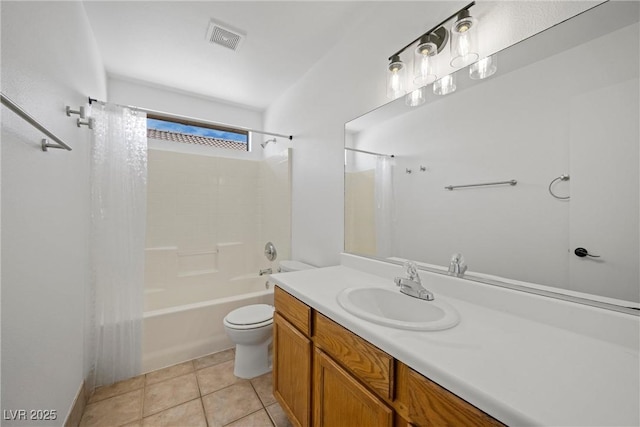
(225, 35)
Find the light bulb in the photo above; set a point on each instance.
(396, 76)
(463, 40)
(422, 62)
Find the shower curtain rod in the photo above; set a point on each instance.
(208, 122)
(369, 152)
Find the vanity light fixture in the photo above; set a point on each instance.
(464, 50)
(426, 47)
(484, 68)
(396, 76)
(445, 85)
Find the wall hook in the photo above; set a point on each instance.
(423, 168)
(89, 122)
(407, 170)
(80, 111)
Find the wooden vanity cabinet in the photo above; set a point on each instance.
(354, 383)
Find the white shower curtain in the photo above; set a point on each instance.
(384, 206)
(118, 217)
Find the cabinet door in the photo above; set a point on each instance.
(292, 371)
(340, 400)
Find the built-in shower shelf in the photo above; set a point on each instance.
(197, 273)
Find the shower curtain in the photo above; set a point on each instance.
(384, 205)
(118, 215)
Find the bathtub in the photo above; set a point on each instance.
(173, 334)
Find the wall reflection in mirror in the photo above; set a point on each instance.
(560, 118)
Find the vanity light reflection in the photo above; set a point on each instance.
(416, 97)
(484, 68)
(445, 85)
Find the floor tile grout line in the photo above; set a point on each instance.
(273, 422)
(198, 384)
(170, 407)
(170, 378)
(244, 416)
(144, 394)
(204, 411)
(257, 394)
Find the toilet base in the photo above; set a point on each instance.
(252, 360)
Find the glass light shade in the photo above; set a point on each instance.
(416, 97)
(445, 85)
(396, 78)
(423, 64)
(484, 68)
(464, 50)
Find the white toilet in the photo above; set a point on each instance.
(250, 328)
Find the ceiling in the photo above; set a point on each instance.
(164, 43)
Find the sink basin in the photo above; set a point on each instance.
(391, 308)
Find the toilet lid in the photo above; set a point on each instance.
(250, 314)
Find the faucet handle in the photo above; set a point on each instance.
(457, 265)
(412, 271)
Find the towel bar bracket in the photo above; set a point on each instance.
(45, 145)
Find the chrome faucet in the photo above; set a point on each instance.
(457, 266)
(265, 271)
(412, 285)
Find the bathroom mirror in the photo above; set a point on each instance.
(558, 125)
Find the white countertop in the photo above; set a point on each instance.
(521, 371)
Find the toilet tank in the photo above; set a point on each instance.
(287, 265)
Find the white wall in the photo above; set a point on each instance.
(159, 98)
(49, 60)
(348, 82)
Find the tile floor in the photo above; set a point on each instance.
(201, 392)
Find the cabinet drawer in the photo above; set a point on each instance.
(428, 404)
(294, 310)
(368, 363)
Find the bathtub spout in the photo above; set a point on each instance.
(265, 271)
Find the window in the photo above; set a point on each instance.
(192, 132)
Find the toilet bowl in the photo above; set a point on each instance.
(250, 329)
